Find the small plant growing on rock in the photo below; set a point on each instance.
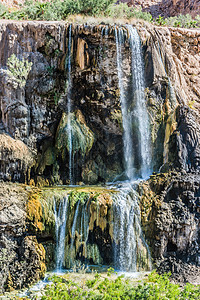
(18, 70)
(160, 21)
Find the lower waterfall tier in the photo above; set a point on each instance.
(94, 225)
(98, 227)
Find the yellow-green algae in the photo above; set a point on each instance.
(41, 204)
(96, 199)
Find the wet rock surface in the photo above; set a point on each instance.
(184, 144)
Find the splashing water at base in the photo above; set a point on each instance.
(131, 252)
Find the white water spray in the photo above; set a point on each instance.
(126, 115)
(131, 251)
(140, 111)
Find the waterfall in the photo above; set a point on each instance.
(136, 111)
(140, 111)
(131, 252)
(80, 226)
(74, 227)
(85, 219)
(126, 115)
(60, 216)
(69, 128)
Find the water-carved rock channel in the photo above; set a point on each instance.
(100, 154)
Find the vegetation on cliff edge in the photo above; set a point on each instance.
(62, 9)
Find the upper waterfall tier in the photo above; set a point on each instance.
(42, 108)
(135, 120)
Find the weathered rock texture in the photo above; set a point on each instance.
(170, 211)
(167, 8)
(22, 258)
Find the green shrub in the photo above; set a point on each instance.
(3, 9)
(156, 287)
(94, 7)
(185, 21)
(122, 10)
(58, 9)
(61, 9)
(160, 21)
(18, 70)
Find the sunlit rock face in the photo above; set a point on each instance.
(167, 8)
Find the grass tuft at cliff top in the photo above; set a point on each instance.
(57, 10)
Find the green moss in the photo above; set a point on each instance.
(75, 196)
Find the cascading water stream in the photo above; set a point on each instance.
(128, 233)
(137, 110)
(126, 116)
(140, 111)
(60, 227)
(127, 228)
(131, 252)
(74, 226)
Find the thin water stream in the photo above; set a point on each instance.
(69, 104)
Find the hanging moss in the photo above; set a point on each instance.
(83, 137)
(75, 196)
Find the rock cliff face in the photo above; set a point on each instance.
(22, 258)
(33, 134)
(167, 8)
(33, 114)
(170, 218)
